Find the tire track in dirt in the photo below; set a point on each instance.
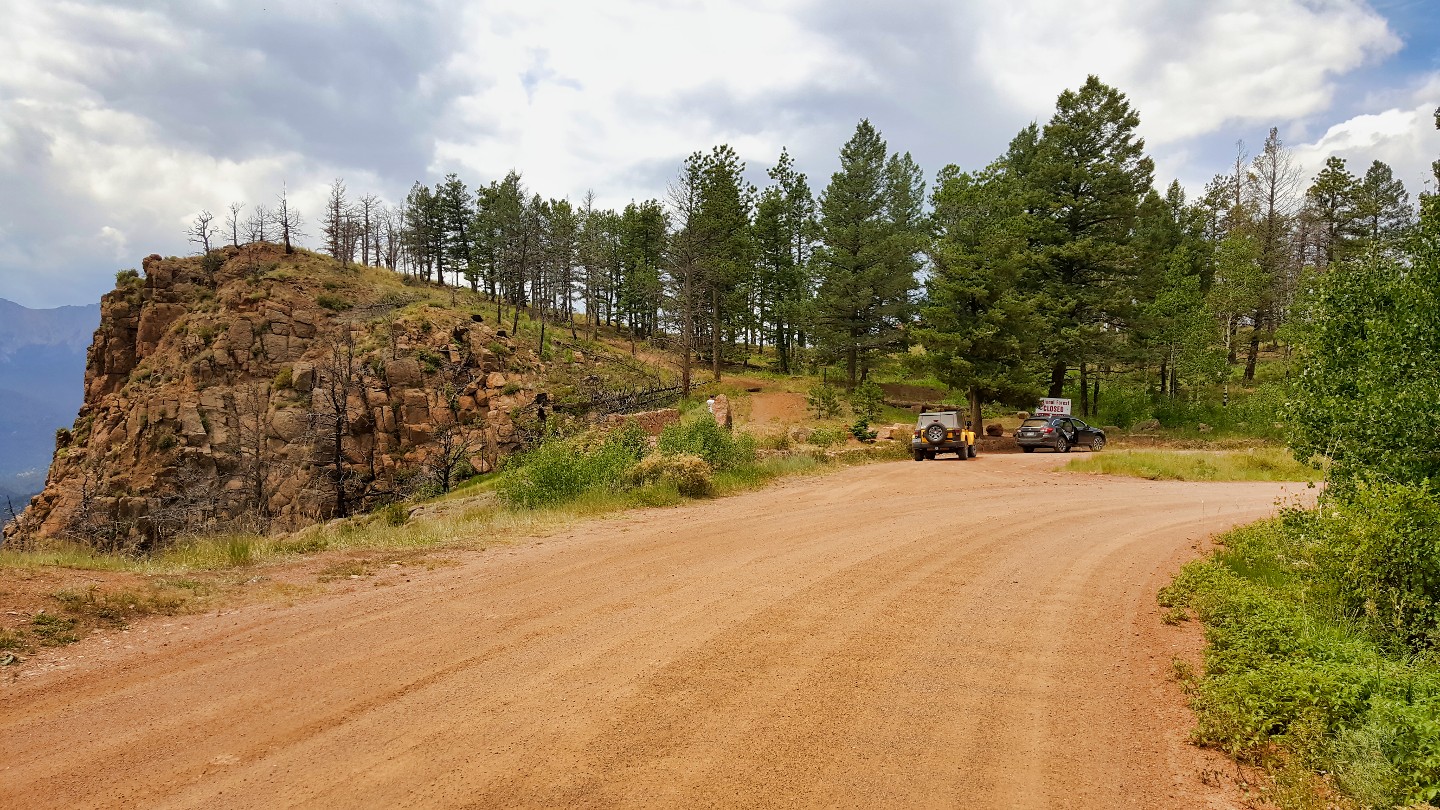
(980, 634)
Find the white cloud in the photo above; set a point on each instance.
(616, 86)
(1190, 68)
(121, 120)
(1405, 138)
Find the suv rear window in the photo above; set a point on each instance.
(947, 419)
(1035, 422)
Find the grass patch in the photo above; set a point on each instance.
(1256, 464)
(1302, 684)
(53, 630)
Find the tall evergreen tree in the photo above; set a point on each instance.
(1087, 174)
(978, 324)
(1330, 208)
(722, 232)
(869, 237)
(457, 213)
(785, 230)
(1383, 215)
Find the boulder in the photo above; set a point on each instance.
(721, 411)
(403, 371)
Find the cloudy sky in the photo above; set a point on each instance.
(120, 120)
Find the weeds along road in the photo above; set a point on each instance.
(974, 634)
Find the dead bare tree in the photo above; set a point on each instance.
(257, 227)
(233, 223)
(367, 211)
(338, 376)
(337, 224)
(251, 410)
(201, 230)
(289, 220)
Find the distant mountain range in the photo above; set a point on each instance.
(42, 381)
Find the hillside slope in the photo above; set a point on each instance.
(277, 391)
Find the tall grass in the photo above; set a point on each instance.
(1256, 464)
(1302, 680)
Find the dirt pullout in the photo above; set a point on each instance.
(978, 634)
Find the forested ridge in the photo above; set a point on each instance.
(1059, 266)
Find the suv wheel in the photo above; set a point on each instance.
(919, 455)
(1062, 445)
(934, 433)
(972, 451)
(1028, 449)
(1098, 444)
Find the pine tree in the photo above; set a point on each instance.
(1087, 173)
(785, 231)
(1330, 207)
(1383, 215)
(978, 324)
(869, 235)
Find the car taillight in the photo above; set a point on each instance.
(1049, 430)
(917, 434)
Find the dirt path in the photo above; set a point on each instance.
(979, 634)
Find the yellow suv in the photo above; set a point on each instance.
(941, 432)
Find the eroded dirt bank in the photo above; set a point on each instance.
(976, 634)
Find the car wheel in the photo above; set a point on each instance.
(1027, 449)
(1098, 444)
(962, 454)
(1061, 445)
(930, 455)
(919, 455)
(934, 433)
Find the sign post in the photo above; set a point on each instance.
(1051, 406)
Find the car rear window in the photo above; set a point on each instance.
(946, 419)
(1035, 422)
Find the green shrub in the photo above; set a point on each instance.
(862, 432)
(1382, 555)
(334, 303)
(429, 360)
(1303, 658)
(701, 436)
(824, 400)
(393, 514)
(827, 437)
(558, 471)
(689, 474)
(212, 262)
(865, 401)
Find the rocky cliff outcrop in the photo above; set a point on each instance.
(251, 385)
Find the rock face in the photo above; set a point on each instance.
(283, 389)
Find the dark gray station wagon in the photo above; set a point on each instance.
(1059, 433)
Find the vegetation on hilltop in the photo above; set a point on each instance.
(1058, 269)
(1324, 625)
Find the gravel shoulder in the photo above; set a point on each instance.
(980, 634)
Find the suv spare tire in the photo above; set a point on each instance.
(934, 433)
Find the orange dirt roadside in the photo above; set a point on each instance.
(981, 635)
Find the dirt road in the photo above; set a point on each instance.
(974, 634)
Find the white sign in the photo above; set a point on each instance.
(1053, 407)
